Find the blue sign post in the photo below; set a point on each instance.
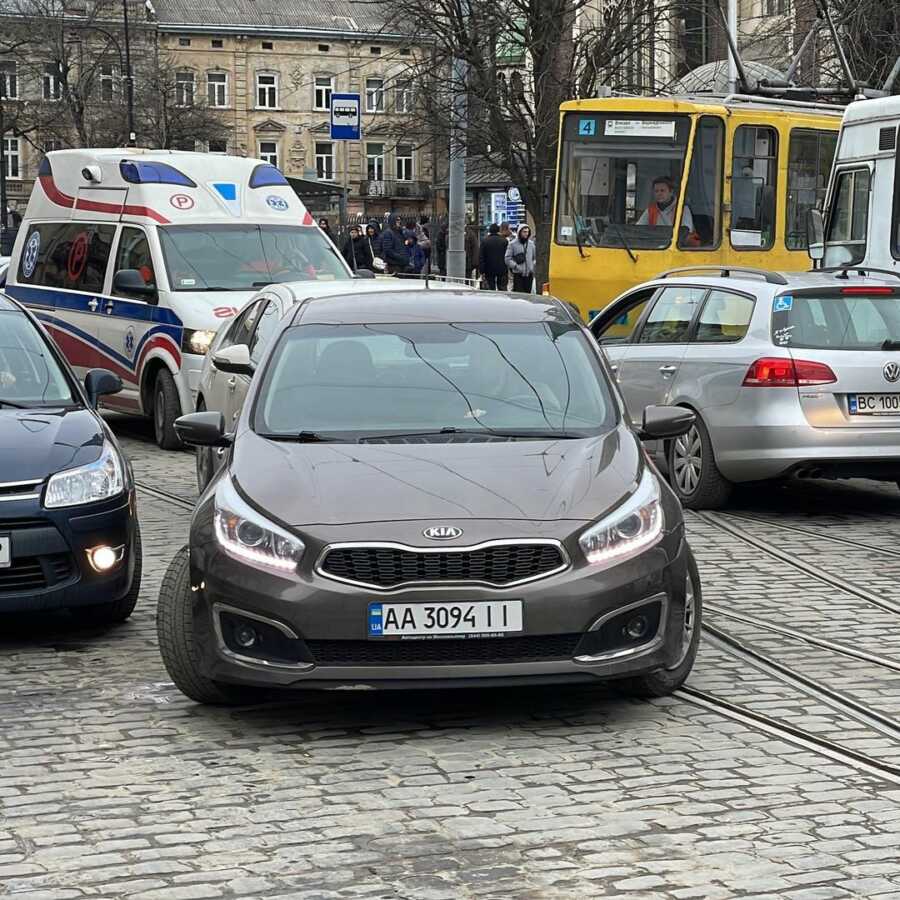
(345, 117)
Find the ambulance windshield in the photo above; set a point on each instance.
(243, 257)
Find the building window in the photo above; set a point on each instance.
(51, 144)
(777, 7)
(324, 161)
(12, 148)
(217, 88)
(405, 51)
(322, 94)
(403, 100)
(266, 91)
(268, 45)
(375, 162)
(9, 81)
(184, 88)
(324, 48)
(374, 95)
(404, 162)
(268, 152)
(375, 51)
(184, 42)
(107, 83)
(217, 43)
(218, 147)
(51, 82)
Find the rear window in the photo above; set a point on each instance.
(836, 323)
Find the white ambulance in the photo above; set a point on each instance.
(133, 258)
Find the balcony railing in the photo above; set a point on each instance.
(391, 190)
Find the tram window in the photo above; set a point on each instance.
(704, 191)
(753, 184)
(845, 243)
(809, 161)
(608, 165)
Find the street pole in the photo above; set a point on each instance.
(733, 32)
(3, 217)
(456, 245)
(342, 207)
(129, 78)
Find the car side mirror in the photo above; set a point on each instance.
(665, 422)
(203, 429)
(235, 360)
(365, 273)
(130, 281)
(100, 383)
(815, 234)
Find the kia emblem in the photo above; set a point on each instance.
(442, 532)
(891, 372)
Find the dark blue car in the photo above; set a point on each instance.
(69, 535)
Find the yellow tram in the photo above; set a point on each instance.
(649, 184)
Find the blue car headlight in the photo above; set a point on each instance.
(628, 531)
(249, 538)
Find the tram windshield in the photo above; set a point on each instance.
(619, 180)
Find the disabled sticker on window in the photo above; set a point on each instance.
(783, 304)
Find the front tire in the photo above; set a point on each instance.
(166, 409)
(118, 610)
(665, 681)
(693, 472)
(175, 631)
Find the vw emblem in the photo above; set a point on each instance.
(442, 532)
(891, 372)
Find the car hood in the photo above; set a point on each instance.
(35, 443)
(335, 484)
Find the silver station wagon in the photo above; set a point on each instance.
(788, 374)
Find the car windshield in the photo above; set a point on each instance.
(837, 323)
(359, 381)
(29, 374)
(243, 257)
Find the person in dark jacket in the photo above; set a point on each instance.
(414, 253)
(393, 248)
(373, 242)
(323, 224)
(440, 248)
(471, 251)
(356, 250)
(492, 259)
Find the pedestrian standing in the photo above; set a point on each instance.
(492, 259)
(471, 245)
(373, 242)
(393, 248)
(506, 231)
(440, 248)
(423, 238)
(326, 228)
(415, 255)
(356, 250)
(520, 260)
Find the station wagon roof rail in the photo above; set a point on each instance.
(726, 272)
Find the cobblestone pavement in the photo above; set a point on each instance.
(112, 785)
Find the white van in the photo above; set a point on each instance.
(133, 258)
(862, 209)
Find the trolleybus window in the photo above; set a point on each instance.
(608, 166)
(753, 183)
(810, 156)
(845, 243)
(704, 190)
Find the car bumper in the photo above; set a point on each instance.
(50, 568)
(333, 649)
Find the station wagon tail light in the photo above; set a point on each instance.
(776, 371)
(868, 291)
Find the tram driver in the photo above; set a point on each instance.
(662, 210)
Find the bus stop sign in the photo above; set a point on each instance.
(345, 125)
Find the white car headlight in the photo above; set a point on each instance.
(98, 480)
(249, 538)
(197, 341)
(633, 528)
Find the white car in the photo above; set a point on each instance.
(245, 338)
(4, 266)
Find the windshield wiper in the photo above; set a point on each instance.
(622, 239)
(890, 345)
(303, 437)
(537, 433)
(259, 284)
(12, 404)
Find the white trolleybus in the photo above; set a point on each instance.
(133, 258)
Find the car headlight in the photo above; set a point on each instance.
(197, 341)
(98, 480)
(633, 528)
(249, 538)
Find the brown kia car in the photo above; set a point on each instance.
(430, 488)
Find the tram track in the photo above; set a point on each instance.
(168, 496)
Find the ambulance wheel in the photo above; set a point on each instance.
(166, 409)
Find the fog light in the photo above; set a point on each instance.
(104, 557)
(636, 628)
(245, 636)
